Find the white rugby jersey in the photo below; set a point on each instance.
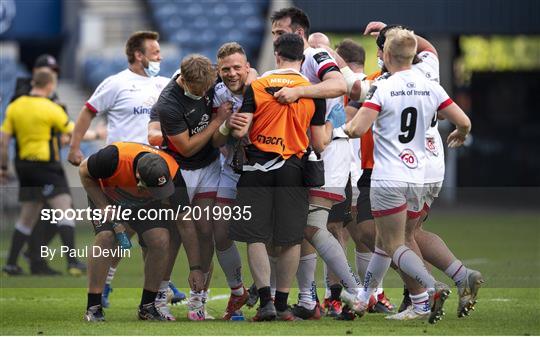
(407, 103)
(429, 67)
(317, 62)
(127, 99)
(224, 94)
(356, 162)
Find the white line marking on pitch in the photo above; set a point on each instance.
(498, 300)
(218, 297)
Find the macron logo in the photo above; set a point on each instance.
(141, 110)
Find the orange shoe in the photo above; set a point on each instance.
(235, 303)
(333, 308)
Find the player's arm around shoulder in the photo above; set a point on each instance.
(332, 85)
(368, 112)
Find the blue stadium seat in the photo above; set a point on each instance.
(203, 26)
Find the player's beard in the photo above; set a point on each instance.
(237, 88)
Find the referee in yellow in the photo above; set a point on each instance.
(34, 121)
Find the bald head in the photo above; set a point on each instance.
(318, 39)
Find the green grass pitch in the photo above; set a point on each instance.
(504, 246)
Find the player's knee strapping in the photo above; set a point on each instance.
(317, 216)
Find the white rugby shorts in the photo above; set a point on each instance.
(431, 191)
(202, 183)
(388, 197)
(337, 166)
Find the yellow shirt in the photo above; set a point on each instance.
(34, 121)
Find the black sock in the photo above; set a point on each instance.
(335, 291)
(148, 297)
(35, 242)
(93, 299)
(67, 234)
(281, 301)
(49, 231)
(17, 242)
(265, 295)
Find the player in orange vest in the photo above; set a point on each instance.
(137, 178)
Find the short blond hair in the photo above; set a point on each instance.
(198, 70)
(229, 49)
(401, 45)
(43, 77)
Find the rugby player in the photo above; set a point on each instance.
(235, 72)
(125, 99)
(429, 245)
(403, 107)
(321, 69)
(185, 113)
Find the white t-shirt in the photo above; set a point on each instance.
(127, 99)
(224, 94)
(429, 67)
(407, 103)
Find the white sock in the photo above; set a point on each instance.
(456, 271)
(376, 270)
(333, 255)
(306, 281)
(162, 292)
(420, 302)
(327, 292)
(380, 290)
(273, 277)
(407, 261)
(230, 262)
(110, 275)
(362, 262)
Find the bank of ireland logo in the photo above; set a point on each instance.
(409, 158)
(7, 14)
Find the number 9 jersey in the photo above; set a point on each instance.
(407, 103)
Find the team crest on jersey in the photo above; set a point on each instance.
(408, 157)
(371, 91)
(431, 146)
(321, 57)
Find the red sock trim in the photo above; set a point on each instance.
(457, 271)
(399, 258)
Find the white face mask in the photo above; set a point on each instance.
(153, 69)
(190, 95)
(380, 62)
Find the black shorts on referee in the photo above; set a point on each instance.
(40, 180)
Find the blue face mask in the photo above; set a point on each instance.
(380, 62)
(153, 69)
